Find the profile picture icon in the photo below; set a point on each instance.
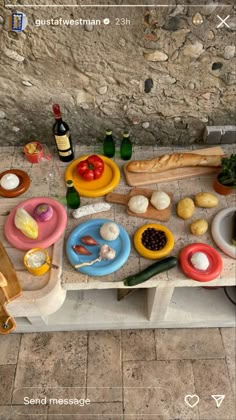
(19, 21)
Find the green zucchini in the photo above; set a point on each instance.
(152, 270)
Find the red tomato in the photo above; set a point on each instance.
(91, 168)
(88, 175)
(82, 167)
(96, 162)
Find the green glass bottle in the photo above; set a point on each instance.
(126, 147)
(72, 196)
(109, 145)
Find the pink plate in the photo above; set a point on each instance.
(49, 232)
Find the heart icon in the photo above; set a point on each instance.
(191, 400)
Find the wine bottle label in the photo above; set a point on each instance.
(68, 153)
(63, 142)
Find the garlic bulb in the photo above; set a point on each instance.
(106, 252)
(109, 231)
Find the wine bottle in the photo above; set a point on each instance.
(126, 147)
(72, 196)
(108, 144)
(62, 136)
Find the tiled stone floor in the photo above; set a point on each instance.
(127, 375)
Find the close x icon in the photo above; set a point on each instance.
(223, 22)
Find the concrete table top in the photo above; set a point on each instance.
(72, 280)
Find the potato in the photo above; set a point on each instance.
(199, 227)
(205, 199)
(185, 208)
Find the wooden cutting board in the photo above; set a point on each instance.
(136, 179)
(8, 292)
(151, 213)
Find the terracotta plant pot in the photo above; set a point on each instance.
(220, 188)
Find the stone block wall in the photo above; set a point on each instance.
(164, 74)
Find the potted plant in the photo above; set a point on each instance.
(226, 179)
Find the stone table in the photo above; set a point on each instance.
(167, 300)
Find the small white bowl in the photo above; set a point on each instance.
(9, 181)
(222, 230)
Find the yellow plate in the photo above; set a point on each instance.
(147, 253)
(99, 187)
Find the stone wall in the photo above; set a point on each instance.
(165, 74)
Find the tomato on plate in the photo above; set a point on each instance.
(91, 168)
(214, 258)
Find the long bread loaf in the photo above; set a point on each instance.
(173, 161)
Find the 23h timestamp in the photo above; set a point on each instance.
(122, 21)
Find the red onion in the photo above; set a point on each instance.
(88, 240)
(43, 212)
(80, 249)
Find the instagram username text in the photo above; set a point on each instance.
(67, 22)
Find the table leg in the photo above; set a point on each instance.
(158, 299)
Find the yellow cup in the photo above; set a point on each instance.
(42, 261)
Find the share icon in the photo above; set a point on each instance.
(218, 399)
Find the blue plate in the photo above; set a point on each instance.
(121, 245)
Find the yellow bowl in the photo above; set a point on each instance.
(98, 187)
(39, 269)
(147, 253)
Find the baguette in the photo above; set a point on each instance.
(173, 161)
